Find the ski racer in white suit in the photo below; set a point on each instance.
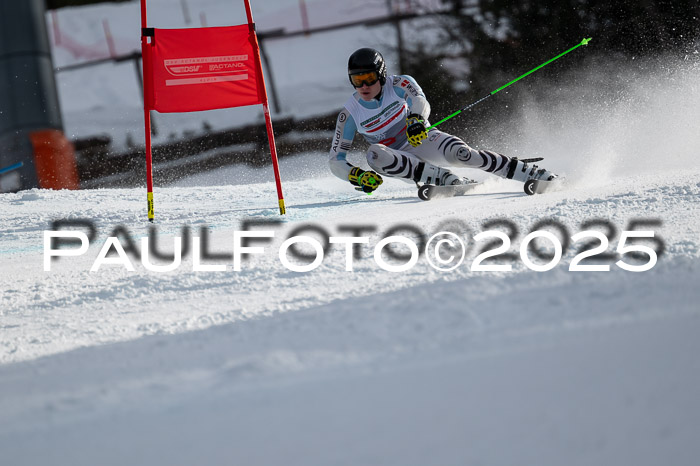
(391, 113)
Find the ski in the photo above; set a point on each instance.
(429, 191)
(532, 187)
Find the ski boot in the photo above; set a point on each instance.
(426, 173)
(433, 181)
(521, 170)
(536, 180)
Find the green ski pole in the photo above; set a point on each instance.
(583, 42)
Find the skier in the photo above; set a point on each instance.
(391, 113)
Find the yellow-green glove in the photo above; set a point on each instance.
(415, 129)
(365, 181)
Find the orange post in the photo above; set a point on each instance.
(54, 159)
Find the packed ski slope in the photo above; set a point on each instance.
(68, 307)
(268, 365)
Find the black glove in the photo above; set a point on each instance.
(415, 129)
(365, 181)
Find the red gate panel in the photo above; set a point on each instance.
(201, 69)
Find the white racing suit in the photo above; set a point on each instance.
(382, 122)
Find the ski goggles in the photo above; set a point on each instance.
(364, 77)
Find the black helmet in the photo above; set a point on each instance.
(367, 59)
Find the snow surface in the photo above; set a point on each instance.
(270, 366)
(267, 365)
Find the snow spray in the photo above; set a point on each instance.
(583, 42)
